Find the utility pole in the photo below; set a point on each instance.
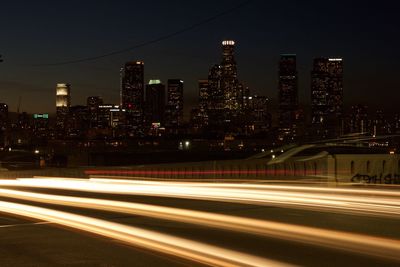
(1, 59)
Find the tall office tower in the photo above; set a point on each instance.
(204, 95)
(4, 125)
(174, 108)
(288, 94)
(199, 116)
(78, 121)
(63, 104)
(229, 82)
(132, 93)
(216, 95)
(93, 103)
(216, 103)
(327, 94)
(155, 102)
(258, 111)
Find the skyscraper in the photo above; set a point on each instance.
(93, 103)
(215, 103)
(257, 107)
(155, 102)
(63, 104)
(327, 94)
(229, 82)
(204, 94)
(216, 95)
(132, 93)
(174, 109)
(288, 94)
(199, 116)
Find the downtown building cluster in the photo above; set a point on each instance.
(155, 110)
(143, 109)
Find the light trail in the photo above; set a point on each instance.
(389, 193)
(168, 244)
(364, 244)
(317, 200)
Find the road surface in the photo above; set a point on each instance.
(110, 222)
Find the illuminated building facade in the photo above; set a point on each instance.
(327, 94)
(155, 102)
(174, 108)
(132, 93)
(63, 104)
(288, 94)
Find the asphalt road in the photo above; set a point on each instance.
(29, 241)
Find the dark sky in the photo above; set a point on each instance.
(366, 34)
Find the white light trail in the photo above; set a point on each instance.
(179, 247)
(320, 199)
(375, 246)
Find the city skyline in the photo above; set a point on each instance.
(214, 133)
(368, 68)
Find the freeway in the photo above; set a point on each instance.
(167, 223)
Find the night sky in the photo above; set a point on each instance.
(366, 35)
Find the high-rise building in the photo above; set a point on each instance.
(327, 94)
(224, 107)
(155, 102)
(174, 108)
(258, 113)
(229, 82)
(202, 114)
(215, 93)
(132, 93)
(78, 121)
(63, 104)
(215, 104)
(204, 94)
(93, 103)
(288, 94)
